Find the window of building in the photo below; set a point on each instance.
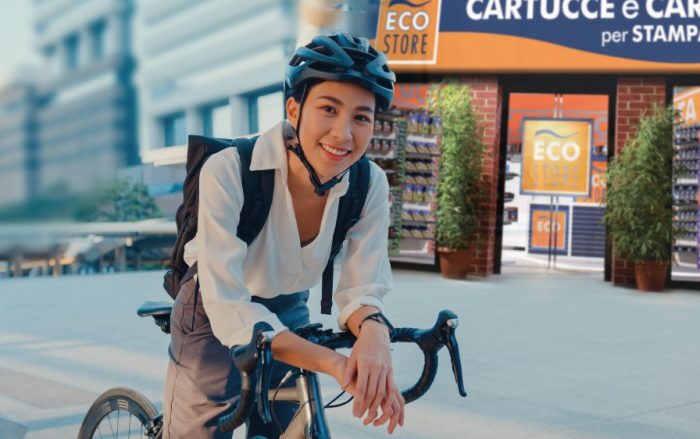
(174, 129)
(266, 110)
(72, 52)
(98, 32)
(217, 120)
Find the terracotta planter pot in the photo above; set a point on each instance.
(651, 276)
(454, 264)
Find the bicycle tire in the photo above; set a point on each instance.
(117, 400)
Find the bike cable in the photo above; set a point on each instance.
(330, 404)
(286, 378)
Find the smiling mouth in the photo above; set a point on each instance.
(335, 151)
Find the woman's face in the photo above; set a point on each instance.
(336, 126)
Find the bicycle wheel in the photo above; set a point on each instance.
(118, 413)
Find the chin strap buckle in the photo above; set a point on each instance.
(319, 188)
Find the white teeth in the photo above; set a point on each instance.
(334, 151)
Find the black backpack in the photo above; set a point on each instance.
(257, 192)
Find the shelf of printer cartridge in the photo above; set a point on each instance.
(417, 206)
(687, 206)
(417, 137)
(687, 144)
(415, 155)
(388, 156)
(416, 222)
(686, 182)
(420, 171)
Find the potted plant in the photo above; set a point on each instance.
(459, 190)
(639, 200)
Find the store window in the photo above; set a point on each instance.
(217, 120)
(406, 144)
(266, 110)
(686, 140)
(174, 129)
(98, 32)
(72, 52)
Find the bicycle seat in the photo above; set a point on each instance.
(154, 309)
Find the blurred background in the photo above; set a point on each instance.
(97, 98)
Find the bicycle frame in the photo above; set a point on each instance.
(310, 419)
(254, 358)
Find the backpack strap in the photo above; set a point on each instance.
(257, 197)
(349, 211)
(257, 192)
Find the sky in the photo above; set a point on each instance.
(15, 36)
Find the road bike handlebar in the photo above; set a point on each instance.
(254, 361)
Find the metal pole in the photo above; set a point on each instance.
(556, 223)
(549, 243)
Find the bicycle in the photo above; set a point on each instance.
(254, 361)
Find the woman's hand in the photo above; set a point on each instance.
(368, 372)
(392, 409)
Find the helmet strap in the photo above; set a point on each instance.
(319, 188)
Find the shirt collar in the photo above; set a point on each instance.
(270, 152)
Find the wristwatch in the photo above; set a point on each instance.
(379, 318)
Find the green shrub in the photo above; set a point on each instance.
(119, 200)
(639, 198)
(461, 160)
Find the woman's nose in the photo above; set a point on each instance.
(341, 130)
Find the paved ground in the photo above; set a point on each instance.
(545, 355)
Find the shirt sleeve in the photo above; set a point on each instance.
(220, 254)
(365, 275)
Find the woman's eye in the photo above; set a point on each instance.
(328, 109)
(363, 118)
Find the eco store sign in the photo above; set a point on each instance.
(556, 156)
(541, 35)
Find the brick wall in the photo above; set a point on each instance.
(635, 97)
(487, 97)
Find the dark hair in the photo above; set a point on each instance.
(297, 94)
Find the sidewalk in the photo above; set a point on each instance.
(545, 355)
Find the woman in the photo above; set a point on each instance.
(333, 88)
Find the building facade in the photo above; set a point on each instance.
(18, 142)
(86, 125)
(206, 68)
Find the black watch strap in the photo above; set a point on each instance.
(379, 318)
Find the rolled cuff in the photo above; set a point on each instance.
(354, 305)
(244, 335)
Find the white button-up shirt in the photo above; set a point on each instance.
(230, 271)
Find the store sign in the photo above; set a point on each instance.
(556, 157)
(687, 102)
(408, 30)
(411, 95)
(598, 183)
(540, 35)
(548, 229)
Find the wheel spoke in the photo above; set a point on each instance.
(106, 414)
(110, 424)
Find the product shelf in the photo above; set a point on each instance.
(685, 186)
(406, 144)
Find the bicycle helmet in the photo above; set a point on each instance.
(338, 57)
(342, 57)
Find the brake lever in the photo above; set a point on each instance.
(451, 342)
(263, 385)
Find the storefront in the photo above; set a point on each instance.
(540, 72)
